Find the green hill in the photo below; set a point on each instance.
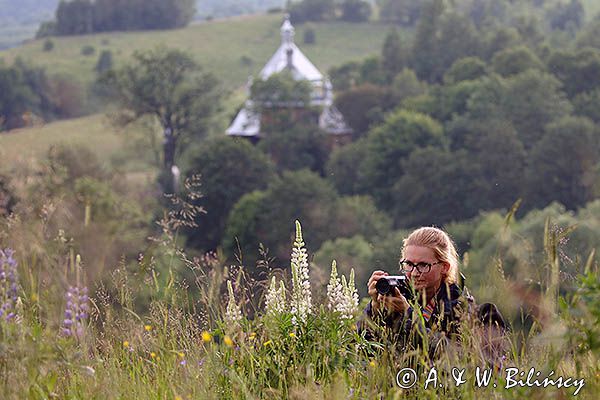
(231, 48)
(20, 20)
(23, 147)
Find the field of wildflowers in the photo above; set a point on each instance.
(236, 337)
(168, 324)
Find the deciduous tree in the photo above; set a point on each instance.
(228, 168)
(389, 146)
(170, 87)
(565, 163)
(268, 216)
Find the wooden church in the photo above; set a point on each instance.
(251, 123)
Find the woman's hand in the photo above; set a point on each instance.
(396, 302)
(371, 288)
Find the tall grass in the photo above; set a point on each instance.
(170, 326)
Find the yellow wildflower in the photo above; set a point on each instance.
(153, 355)
(147, 328)
(227, 340)
(181, 354)
(292, 335)
(268, 342)
(252, 336)
(125, 343)
(372, 363)
(206, 337)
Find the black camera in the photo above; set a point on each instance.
(386, 284)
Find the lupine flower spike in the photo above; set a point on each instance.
(334, 289)
(301, 302)
(342, 296)
(76, 312)
(275, 299)
(9, 278)
(233, 315)
(349, 303)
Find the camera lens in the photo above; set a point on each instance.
(383, 286)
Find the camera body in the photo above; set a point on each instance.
(386, 284)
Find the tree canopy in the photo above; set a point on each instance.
(228, 169)
(78, 17)
(170, 87)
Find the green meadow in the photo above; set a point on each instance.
(104, 296)
(231, 48)
(21, 145)
(201, 344)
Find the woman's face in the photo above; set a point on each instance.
(425, 280)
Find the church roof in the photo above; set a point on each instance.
(246, 123)
(300, 66)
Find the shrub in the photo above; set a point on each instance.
(246, 61)
(48, 45)
(88, 50)
(7, 197)
(105, 62)
(356, 11)
(309, 36)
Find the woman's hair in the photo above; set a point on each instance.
(441, 244)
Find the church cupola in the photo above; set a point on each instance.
(287, 31)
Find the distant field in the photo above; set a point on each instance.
(220, 46)
(95, 132)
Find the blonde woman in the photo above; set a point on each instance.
(430, 262)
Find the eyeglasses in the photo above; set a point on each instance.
(422, 267)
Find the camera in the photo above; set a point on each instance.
(386, 284)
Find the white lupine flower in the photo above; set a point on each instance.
(275, 300)
(349, 303)
(334, 289)
(352, 292)
(343, 297)
(301, 302)
(233, 314)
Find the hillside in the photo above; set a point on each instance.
(221, 46)
(22, 146)
(20, 20)
(231, 48)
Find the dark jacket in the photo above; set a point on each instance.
(411, 327)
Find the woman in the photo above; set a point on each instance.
(430, 262)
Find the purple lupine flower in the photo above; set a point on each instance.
(9, 287)
(76, 312)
